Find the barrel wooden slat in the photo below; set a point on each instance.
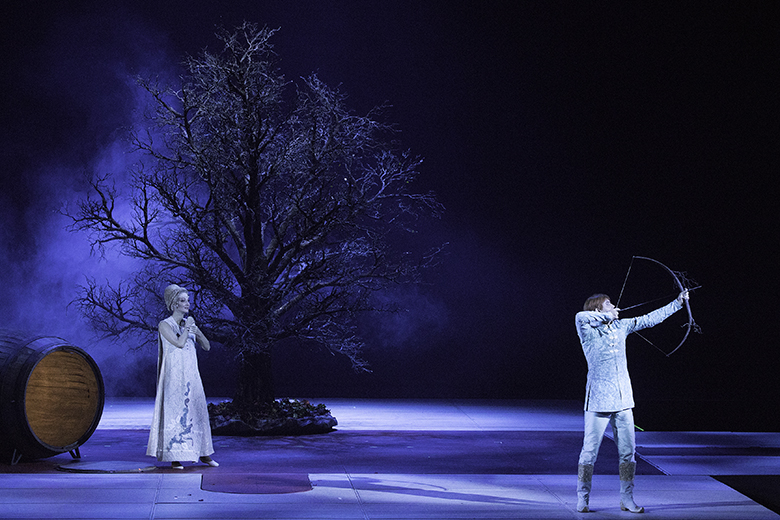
(61, 399)
(51, 395)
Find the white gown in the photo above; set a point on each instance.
(180, 428)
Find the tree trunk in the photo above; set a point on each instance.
(255, 380)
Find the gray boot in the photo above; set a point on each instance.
(627, 472)
(584, 482)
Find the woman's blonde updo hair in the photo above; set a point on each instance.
(172, 293)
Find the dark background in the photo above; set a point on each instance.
(563, 138)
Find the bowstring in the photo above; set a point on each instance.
(659, 349)
(620, 296)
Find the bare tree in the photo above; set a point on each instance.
(281, 210)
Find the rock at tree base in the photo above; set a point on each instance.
(279, 417)
(221, 425)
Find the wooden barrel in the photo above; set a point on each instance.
(51, 396)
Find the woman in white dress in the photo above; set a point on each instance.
(180, 428)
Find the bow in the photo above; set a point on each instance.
(679, 283)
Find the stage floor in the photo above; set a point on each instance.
(398, 459)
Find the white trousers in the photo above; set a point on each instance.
(622, 423)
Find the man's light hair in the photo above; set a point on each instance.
(595, 302)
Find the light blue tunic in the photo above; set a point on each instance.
(604, 344)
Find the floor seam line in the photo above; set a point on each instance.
(457, 406)
(357, 495)
(153, 512)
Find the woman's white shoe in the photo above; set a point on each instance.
(208, 460)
